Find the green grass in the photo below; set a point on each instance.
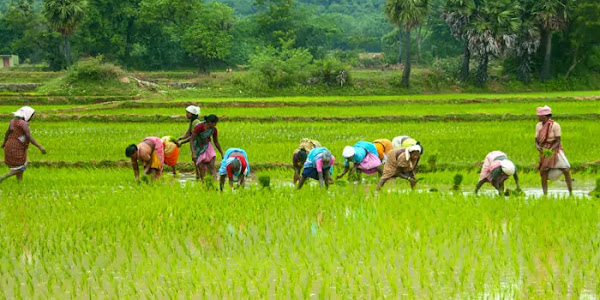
(528, 108)
(180, 96)
(96, 234)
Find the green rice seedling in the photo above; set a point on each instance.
(265, 181)
(458, 178)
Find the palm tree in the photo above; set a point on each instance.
(492, 32)
(407, 15)
(528, 41)
(65, 16)
(457, 14)
(552, 15)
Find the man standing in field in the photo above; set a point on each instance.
(152, 155)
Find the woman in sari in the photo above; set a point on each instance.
(401, 163)
(318, 166)
(171, 152)
(496, 169)
(548, 143)
(202, 146)
(234, 166)
(364, 157)
(384, 146)
(191, 113)
(151, 153)
(16, 142)
(300, 155)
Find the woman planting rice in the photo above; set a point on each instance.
(151, 153)
(202, 146)
(16, 142)
(234, 166)
(171, 152)
(553, 161)
(365, 158)
(495, 170)
(300, 154)
(403, 142)
(384, 146)
(319, 166)
(191, 113)
(402, 163)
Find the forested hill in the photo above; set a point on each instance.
(347, 7)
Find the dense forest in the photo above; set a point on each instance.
(527, 39)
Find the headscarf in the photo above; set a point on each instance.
(194, 110)
(24, 112)
(544, 110)
(326, 156)
(412, 149)
(508, 167)
(348, 151)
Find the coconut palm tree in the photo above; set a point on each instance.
(552, 16)
(406, 15)
(528, 40)
(492, 32)
(65, 16)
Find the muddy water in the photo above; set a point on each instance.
(583, 190)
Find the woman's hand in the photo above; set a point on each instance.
(43, 150)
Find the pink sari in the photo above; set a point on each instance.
(159, 150)
(490, 164)
(370, 163)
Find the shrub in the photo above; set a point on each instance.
(448, 67)
(328, 70)
(93, 69)
(281, 67)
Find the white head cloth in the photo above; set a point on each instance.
(508, 167)
(194, 110)
(348, 151)
(24, 112)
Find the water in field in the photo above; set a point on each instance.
(583, 190)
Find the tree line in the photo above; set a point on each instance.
(528, 39)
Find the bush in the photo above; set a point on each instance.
(281, 67)
(448, 67)
(93, 69)
(328, 71)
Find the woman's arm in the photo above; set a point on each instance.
(555, 144)
(346, 168)
(136, 169)
(354, 168)
(517, 180)
(321, 180)
(480, 184)
(296, 174)
(241, 180)
(222, 182)
(32, 140)
(216, 141)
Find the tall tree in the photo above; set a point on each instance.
(406, 15)
(458, 15)
(528, 40)
(65, 16)
(276, 22)
(209, 38)
(492, 32)
(552, 16)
